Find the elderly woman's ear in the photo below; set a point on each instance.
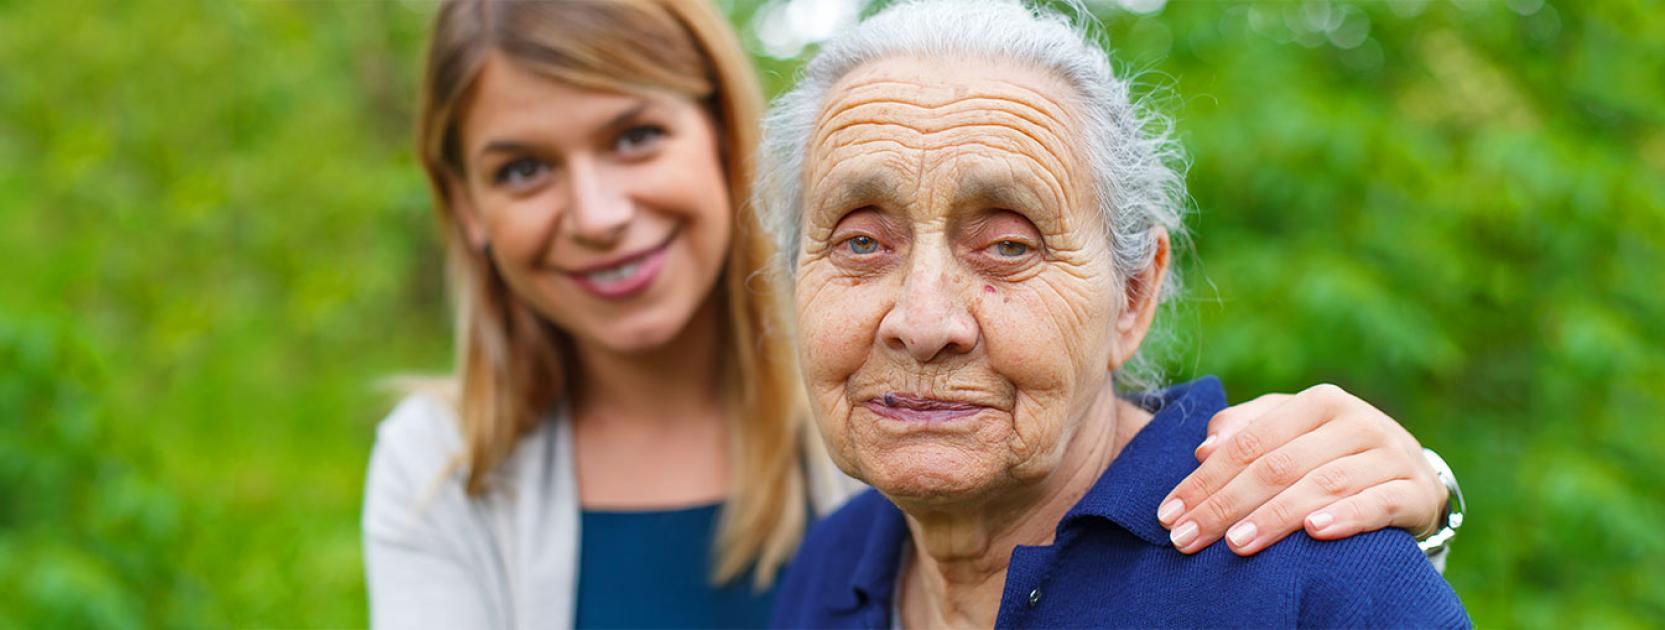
(1141, 294)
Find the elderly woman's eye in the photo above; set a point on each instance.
(862, 244)
(1011, 249)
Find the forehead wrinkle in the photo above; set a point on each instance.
(1050, 159)
(1044, 137)
(1041, 182)
(1050, 181)
(1045, 157)
(1000, 143)
(1054, 149)
(944, 117)
(823, 160)
(828, 168)
(1057, 112)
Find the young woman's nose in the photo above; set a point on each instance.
(599, 209)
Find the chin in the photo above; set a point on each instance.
(930, 474)
(646, 326)
(640, 334)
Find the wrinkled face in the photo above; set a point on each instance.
(607, 212)
(955, 295)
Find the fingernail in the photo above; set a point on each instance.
(1241, 534)
(1320, 520)
(1183, 535)
(1170, 511)
(1208, 441)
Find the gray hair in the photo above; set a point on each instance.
(1138, 168)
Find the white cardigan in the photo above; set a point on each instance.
(436, 558)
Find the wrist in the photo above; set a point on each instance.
(1451, 518)
(1436, 522)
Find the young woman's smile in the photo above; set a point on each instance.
(625, 276)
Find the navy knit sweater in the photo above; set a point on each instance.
(1111, 564)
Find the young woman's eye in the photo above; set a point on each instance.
(519, 171)
(1011, 249)
(862, 244)
(638, 138)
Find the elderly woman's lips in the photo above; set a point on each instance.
(910, 408)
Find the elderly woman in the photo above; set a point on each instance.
(978, 223)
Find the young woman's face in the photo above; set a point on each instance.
(607, 212)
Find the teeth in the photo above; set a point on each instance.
(614, 275)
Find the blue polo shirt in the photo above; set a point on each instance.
(1111, 563)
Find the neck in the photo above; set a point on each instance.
(957, 571)
(669, 382)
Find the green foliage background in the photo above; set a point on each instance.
(216, 242)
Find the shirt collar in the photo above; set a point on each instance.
(1130, 492)
(874, 580)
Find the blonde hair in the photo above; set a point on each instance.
(512, 365)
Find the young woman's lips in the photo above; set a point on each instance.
(626, 278)
(909, 408)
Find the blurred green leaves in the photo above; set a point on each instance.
(1467, 231)
(216, 241)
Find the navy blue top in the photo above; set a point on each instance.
(1111, 563)
(652, 569)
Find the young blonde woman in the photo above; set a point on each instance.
(621, 441)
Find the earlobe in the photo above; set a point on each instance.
(462, 208)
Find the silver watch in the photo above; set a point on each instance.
(1454, 506)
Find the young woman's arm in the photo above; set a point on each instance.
(422, 560)
(1322, 460)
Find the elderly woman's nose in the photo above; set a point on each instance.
(599, 209)
(931, 318)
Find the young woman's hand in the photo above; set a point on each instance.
(1322, 460)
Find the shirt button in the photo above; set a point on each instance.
(1034, 597)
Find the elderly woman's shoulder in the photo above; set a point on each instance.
(1376, 578)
